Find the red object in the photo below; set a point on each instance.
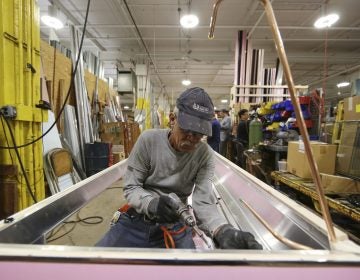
(304, 99)
(308, 123)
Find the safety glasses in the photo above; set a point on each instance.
(191, 133)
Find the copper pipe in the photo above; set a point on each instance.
(283, 59)
(286, 241)
(299, 117)
(213, 19)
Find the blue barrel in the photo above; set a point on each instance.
(97, 157)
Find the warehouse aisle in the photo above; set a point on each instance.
(96, 216)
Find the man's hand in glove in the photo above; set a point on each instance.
(164, 209)
(227, 237)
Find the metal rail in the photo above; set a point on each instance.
(31, 224)
(283, 59)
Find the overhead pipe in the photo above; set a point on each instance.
(288, 27)
(352, 69)
(283, 59)
(76, 23)
(256, 24)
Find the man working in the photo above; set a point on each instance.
(165, 161)
(214, 139)
(225, 131)
(243, 127)
(242, 137)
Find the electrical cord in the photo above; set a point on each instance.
(19, 159)
(13, 161)
(68, 93)
(51, 237)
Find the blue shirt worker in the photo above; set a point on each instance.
(165, 162)
(214, 139)
(225, 131)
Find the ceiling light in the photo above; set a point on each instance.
(52, 22)
(186, 82)
(54, 18)
(326, 21)
(343, 84)
(189, 21)
(224, 101)
(126, 107)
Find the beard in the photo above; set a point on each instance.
(187, 145)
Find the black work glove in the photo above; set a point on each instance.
(227, 237)
(164, 209)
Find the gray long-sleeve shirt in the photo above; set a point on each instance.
(225, 130)
(155, 168)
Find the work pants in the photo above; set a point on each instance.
(137, 231)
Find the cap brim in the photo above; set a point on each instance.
(189, 122)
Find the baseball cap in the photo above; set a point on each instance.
(196, 111)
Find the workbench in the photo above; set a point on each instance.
(307, 187)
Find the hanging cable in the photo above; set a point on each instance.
(143, 43)
(68, 93)
(19, 159)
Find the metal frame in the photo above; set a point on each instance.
(30, 225)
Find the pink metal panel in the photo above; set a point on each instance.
(59, 271)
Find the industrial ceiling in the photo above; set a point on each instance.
(179, 53)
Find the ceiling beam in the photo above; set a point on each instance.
(237, 27)
(76, 23)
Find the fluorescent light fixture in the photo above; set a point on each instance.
(326, 21)
(126, 107)
(215, 108)
(343, 84)
(53, 18)
(189, 21)
(52, 22)
(186, 82)
(224, 101)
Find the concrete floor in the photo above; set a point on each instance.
(103, 206)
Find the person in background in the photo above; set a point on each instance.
(225, 131)
(242, 133)
(171, 120)
(214, 139)
(242, 136)
(167, 161)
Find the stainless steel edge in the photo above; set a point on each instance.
(30, 224)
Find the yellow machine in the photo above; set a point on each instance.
(20, 91)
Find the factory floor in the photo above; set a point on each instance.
(87, 226)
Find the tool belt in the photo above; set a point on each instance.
(167, 233)
(133, 214)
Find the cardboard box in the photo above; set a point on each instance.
(347, 162)
(112, 133)
(324, 155)
(118, 156)
(352, 108)
(338, 184)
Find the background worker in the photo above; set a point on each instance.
(214, 139)
(225, 131)
(171, 120)
(242, 137)
(165, 161)
(242, 133)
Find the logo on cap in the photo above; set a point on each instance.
(200, 108)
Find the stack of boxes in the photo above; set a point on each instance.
(122, 136)
(348, 156)
(324, 155)
(330, 158)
